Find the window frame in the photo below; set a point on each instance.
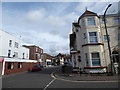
(105, 38)
(93, 39)
(9, 53)
(16, 45)
(10, 43)
(91, 22)
(95, 60)
(10, 65)
(16, 54)
(20, 65)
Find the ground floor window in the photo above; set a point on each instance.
(10, 65)
(95, 59)
(74, 60)
(48, 63)
(86, 56)
(20, 65)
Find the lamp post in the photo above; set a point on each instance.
(111, 60)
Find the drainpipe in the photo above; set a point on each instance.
(3, 67)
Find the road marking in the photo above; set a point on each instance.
(49, 84)
(53, 75)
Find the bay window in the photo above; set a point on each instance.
(93, 37)
(95, 59)
(90, 21)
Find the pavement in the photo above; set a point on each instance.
(86, 77)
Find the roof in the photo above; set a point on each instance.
(87, 13)
(76, 24)
(110, 15)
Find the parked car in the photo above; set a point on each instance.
(41, 66)
(36, 68)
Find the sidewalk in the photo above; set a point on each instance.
(85, 77)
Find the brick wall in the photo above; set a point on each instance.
(25, 67)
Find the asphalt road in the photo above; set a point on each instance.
(44, 80)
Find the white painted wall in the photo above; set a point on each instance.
(4, 46)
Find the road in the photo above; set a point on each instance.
(44, 80)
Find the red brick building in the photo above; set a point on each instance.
(13, 65)
(36, 53)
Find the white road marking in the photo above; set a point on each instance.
(49, 84)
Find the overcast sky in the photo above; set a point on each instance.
(47, 24)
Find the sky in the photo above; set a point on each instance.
(47, 24)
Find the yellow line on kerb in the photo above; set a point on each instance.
(77, 81)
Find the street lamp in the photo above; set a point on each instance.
(111, 60)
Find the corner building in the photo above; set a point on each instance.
(88, 42)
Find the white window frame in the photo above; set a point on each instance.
(93, 39)
(91, 22)
(16, 45)
(10, 43)
(96, 59)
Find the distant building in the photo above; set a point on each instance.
(62, 58)
(47, 59)
(88, 42)
(13, 56)
(36, 53)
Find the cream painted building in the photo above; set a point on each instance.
(88, 42)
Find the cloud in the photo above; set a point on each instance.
(47, 28)
(36, 15)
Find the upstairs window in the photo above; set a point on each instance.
(91, 21)
(15, 54)
(105, 38)
(9, 53)
(85, 38)
(36, 49)
(83, 22)
(16, 45)
(23, 55)
(10, 43)
(116, 20)
(93, 37)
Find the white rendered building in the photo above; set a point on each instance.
(10, 46)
